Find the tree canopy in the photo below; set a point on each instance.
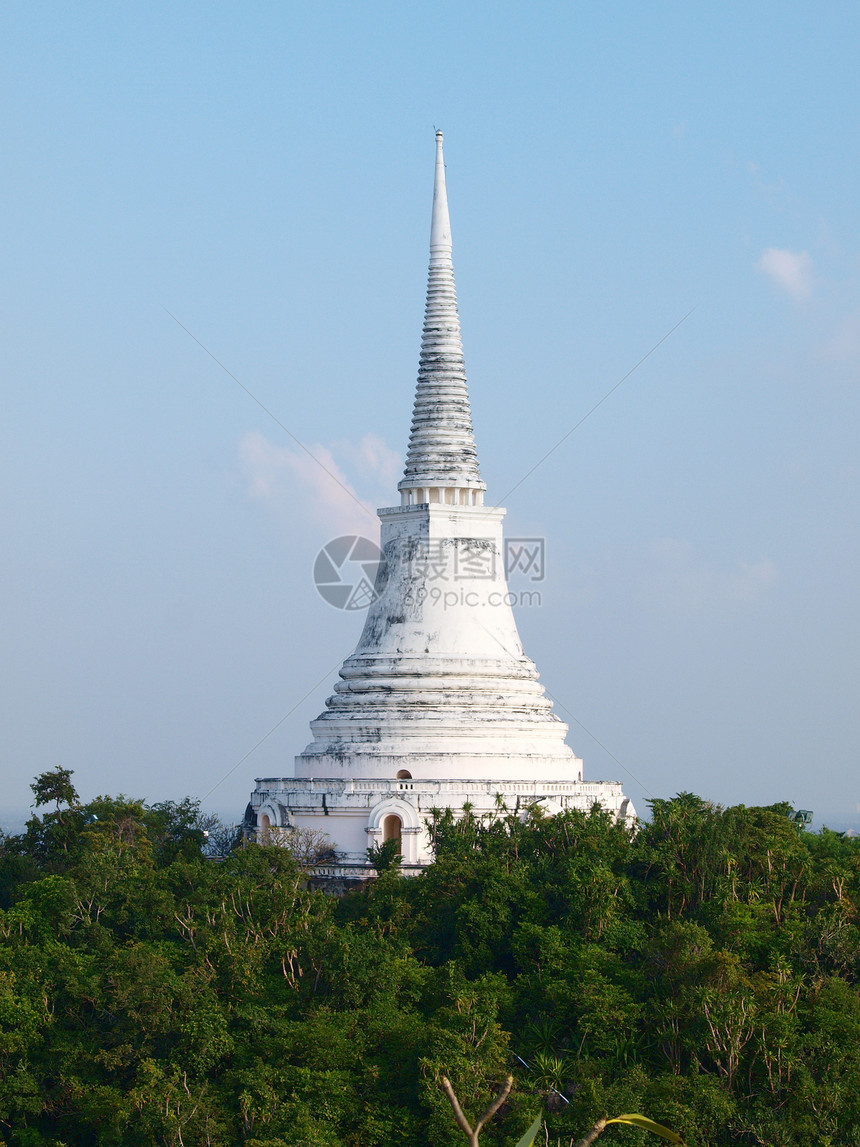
(702, 969)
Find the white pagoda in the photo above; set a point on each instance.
(438, 707)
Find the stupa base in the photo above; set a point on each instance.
(360, 814)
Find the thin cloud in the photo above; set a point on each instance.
(289, 481)
(681, 579)
(791, 271)
(375, 463)
(844, 346)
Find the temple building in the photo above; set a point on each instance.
(438, 706)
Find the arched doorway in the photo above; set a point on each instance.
(392, 829)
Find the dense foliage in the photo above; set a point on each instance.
(703, 970)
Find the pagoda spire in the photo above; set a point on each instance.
(441, 455)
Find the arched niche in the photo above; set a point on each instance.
(392, 829)
(396, 816)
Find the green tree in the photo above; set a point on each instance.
(55, 785)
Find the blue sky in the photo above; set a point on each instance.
(264, 173)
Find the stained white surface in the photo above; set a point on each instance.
(438, 687)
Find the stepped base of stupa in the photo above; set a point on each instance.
(360, 814)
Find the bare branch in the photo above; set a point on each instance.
(492, 1108)
(462, 1121)
(596, 1130)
